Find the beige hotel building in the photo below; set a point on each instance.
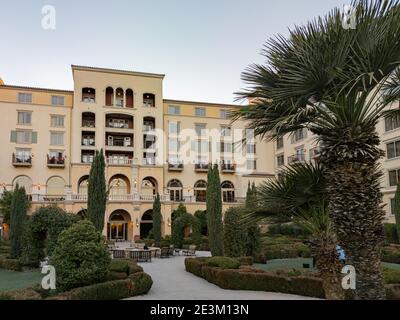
(49, 138)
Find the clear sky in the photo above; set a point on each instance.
(201, 45)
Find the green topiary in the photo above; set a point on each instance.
(391, 233)
(80, 257)
(178, 226)
(214, 212)
(142, 283)
(234, 235)
(223, 262)
(157, 219)
(97, 194)
(18, 217)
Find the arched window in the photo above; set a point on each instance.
(200, 191)
(23, 181)
(109, 97)
(83, 185)
(149, 186)
(55, 186)
(175, 189)
(119, 98)
(118, 227)
(129, 98)
(149, 100)
(88, 95)
(119, 186)
(228, 192)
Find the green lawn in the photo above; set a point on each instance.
(11, 280)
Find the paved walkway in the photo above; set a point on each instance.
(172, 282)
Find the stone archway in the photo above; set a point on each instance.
(146, 224)
(118, 226)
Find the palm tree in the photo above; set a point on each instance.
(330, 80)
(299, 195)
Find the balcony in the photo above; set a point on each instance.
(201, 167)
(55, 162)
(148, 128)
(119, 161)
(149, 161)
(228, 168)
(21, 160)
(119, 142)
(177, 166)
(88, 124)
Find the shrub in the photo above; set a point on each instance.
(223, 262)
(307, 286)
(391, 254)
(18, 218)
(113, 275)
(391, 233)
(111, 290)
(126, 266)
(282, 251)
(234, 235)
(391, 276)
(142, 283)
(247, 261)
(10, 264)
(288, 229)
(80, 257)
(178, 226)
(392, 292)
(195, 265)
(24, 294)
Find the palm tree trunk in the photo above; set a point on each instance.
(329, 266)
(355, 203)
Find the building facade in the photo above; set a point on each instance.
(302, 146)
(151, 145)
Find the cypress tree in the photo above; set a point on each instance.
(97, 194)
(252, 232)
(397, 210)
(234, 237)
(157, 219)
(214, 212)
(18, 217)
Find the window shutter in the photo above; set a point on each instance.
(13, 137)
(34, 137)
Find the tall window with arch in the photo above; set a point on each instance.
(175, 189)
(200, 191)
(228, 192)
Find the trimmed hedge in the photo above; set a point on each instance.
(224, 262)
(255, 279)
(391, 276)
(288, 230)
(142, 283)
(246, 261)
(25, 294)
(393, 292)
(10, 264)
(391, 254)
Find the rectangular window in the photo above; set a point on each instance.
(201, 146)
(251, 164)
(200, 112)
(57, 121)
(57, 100)
(301, 154)
(24, 97)
(226, 147)
(280, 160)
(299, 135)
(174, 127)
(394, 177)
(226, 131)
(224, 114)
(24, 137)
(173, 145)
(23, 156)
(174, 110)
(392, 206)
(200, 129)
(392, 123)
(24, 117)
(279, 143)
(251, 149)
(393, 150)
(56, 138)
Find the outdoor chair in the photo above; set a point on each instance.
(191, 251)
(118, 254)
(164, 253)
